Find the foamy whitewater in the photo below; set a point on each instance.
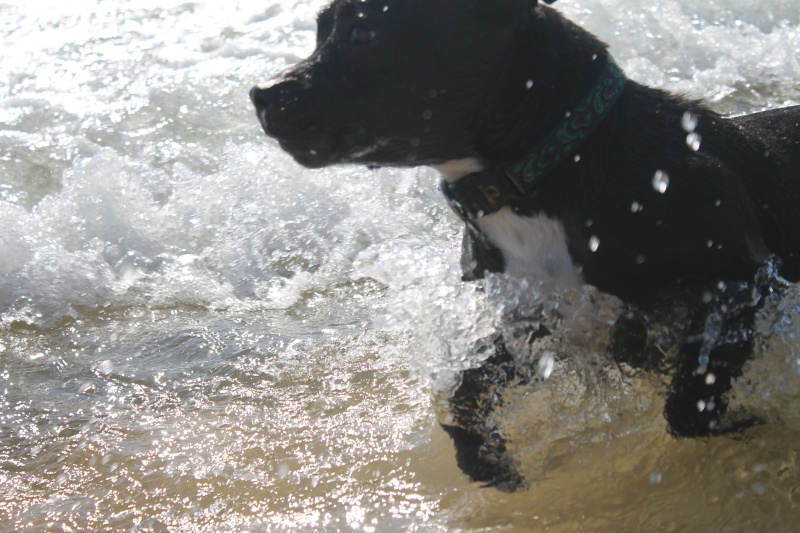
(197, 334)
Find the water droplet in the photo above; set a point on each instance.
(589, 222)
(710, 243)
(689, 122)
(660, 181)
(693, 141)
(86, 387)
(577, 157)
(655, 478)
(594, 243)
(636, 207)
(547, 363)
(427, 114)
(283, 470)
(106, 367)
(701, 405)
(710, 379)
(529, 84)
(640, 259)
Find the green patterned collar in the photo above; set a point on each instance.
(483, 193)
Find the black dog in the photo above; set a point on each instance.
(561, 168)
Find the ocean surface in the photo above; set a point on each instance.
(197, 334)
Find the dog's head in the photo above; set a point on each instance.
(392, 82)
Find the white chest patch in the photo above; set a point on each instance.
(533, 247)
(454, 170)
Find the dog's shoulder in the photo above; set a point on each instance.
(657, 195)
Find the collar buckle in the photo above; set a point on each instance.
(481, 193)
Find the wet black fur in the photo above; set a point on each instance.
(480, 448)
(426, 81)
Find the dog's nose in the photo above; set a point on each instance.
(280, 109)
(259, 98)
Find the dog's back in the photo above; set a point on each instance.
(777, 188)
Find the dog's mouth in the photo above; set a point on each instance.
(307, 154)
(313, 150)
(321, 153)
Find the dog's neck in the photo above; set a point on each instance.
(473, 193)
(550, 66)
(578, 123)
(530, 107)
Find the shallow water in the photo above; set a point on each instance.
(197, 334)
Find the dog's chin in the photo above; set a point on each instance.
(315, 156)
(308, 155)
(311, 161)
(323, 154)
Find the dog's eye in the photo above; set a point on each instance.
(361, 35)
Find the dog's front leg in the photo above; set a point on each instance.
(480, 448)
(697, 402)
(478, 256)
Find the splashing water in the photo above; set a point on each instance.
(197, 334)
